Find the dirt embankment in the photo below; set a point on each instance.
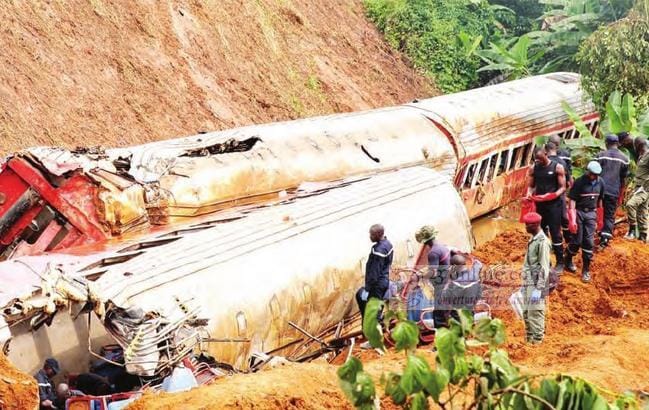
(18, 391)
(119, 72)
(597, 331)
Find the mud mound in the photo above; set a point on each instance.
(311, 385)
(17, 390)
(117, 73)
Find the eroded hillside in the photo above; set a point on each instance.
(122, 72)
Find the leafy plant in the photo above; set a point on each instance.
(567, 23)
(486, 379)
(511, 57)
(615, 58)
(428, 32)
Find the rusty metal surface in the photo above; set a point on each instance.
(300, 261)
(485, 118)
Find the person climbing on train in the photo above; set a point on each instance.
(464, 288)
(585, 197)
(551, 150)
(546, 183)
(46, 393)
(439, 260)
(535, 278)
(615, 169)
(637, 207)
(377, 271)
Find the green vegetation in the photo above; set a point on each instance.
(616, 57)
(462, 378)
(427, 32)
(467, 43)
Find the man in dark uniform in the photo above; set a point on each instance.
(615, 168)
(551, 150)
(546, 183)
(377, 270)
(585, 197)
(563, 154)
(46, 393)
(439, 260)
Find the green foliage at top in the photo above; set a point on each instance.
(525, 16)
(427, 32)
(510, 57)
(488, 379)
(567, 23)
(615, 58)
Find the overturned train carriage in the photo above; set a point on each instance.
(249, 270)
(481, 140)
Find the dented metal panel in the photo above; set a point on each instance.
(248, 273)
(488, 117)
(288, 153)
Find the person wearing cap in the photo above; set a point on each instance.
(377, 271)
(536, 276)
(439, 260)
(46, 393)
(615, 169)
(637, 207)
(585, 197)
(546, 184)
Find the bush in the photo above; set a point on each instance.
(427, 32)
(615, 58)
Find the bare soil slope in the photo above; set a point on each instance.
(120, 72)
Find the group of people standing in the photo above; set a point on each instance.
(566, 209)
(569, 208)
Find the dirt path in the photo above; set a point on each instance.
(119, 73)
(596, 331)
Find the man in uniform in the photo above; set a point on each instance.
(637, 206)
(631, 144)
(536, 272)
(551, 149)
(615, 168)
(546, 184)
(585, 197)
(46, 394)
(377, 271)
(439, 260)
(563, 154)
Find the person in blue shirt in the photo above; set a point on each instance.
(615, 169)
(377, 270)
(46, 394)
(585, 197)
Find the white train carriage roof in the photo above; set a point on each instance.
(245, 232)
(306, 140)
(487, 117)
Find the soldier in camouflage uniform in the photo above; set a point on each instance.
(536, 274)
(637, 207)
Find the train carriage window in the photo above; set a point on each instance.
(525, 158)
(493, 162)
(469, 176)
(484, 165)
(515, 157)
(504, 159)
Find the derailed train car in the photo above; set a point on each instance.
(53, 199)
(251, 270)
